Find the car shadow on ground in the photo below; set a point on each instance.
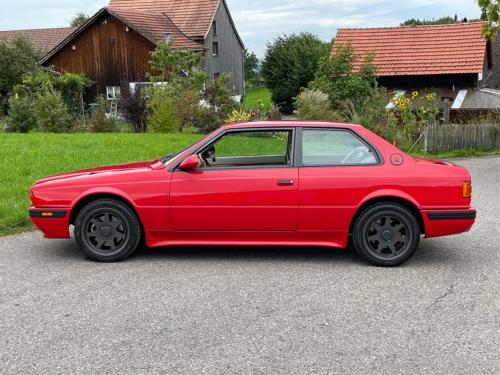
(431, 252)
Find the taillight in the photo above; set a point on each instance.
(467, 189)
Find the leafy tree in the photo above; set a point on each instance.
(16, 58)
(80, 19)
(251, 65)
(490, 12)
(290, 64)
(179, 67)
(335, 76)
(438, 21)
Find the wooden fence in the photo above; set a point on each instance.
(439, 138)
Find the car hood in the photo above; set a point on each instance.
(98, 170)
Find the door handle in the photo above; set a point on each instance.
(285, 182)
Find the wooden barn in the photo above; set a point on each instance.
(114, 46)
(453, 60)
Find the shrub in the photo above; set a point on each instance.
(274, 113)
(163, 117)
(314, 105)
(133, 107)
(336, 78)
(238, 115)
(99, 122)
(22, 117)
(50, 111)
(290, 63)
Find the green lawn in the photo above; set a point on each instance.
(254, 95)
(25, 158)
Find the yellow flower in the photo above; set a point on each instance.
(414, 94)
(424, 110)
(407, 101)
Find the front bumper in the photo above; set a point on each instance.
(448, 222)
(53, 222)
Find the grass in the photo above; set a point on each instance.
(24, 158)
(455, 154)
(254, 95)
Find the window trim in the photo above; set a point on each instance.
(300, 151)
(210, 142)
(215, 49)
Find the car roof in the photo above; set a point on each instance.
(274, 124)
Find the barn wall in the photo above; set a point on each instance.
(230, 59)
(107, 54)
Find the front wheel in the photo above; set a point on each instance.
(386, 234)
(107, 230)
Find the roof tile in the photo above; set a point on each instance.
(42, 39)
(421, 50)
(193, 17)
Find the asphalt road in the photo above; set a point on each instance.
(257, 311)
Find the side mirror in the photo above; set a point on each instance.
(190, 163)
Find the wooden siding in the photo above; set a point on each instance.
(107, 54)
(230, 58)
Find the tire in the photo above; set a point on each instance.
(107, 230)
(386, 234)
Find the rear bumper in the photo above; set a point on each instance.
(53, 222)
(447, 222)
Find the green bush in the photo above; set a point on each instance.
(50, 111)
(22, 117)
(163, 116)
(314, 105)
(99, 122)
(336, 77)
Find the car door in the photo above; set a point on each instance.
(337, 169)
(249, 183)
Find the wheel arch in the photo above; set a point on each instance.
(401, 199)
(92, 196)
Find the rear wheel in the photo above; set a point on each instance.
(386, 234)
(107, 230)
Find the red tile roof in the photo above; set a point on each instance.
(155, 26)
(42, 39)
(193, 17)
(421, 50)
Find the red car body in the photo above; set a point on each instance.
(248, 207)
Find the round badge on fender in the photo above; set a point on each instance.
(397, 159)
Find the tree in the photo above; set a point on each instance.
(290, 64)
(79, 20)
(336, 77)
(16, 58)
(251, 66)
(438, 21)
(490, 12)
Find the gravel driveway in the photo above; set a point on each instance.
(257, 310)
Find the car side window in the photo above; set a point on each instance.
(335, 147)
(249, 149)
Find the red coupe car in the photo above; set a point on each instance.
(268, 183)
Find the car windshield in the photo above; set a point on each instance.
(168, 158)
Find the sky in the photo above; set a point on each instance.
(258, 21)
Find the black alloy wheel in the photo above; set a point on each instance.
(386, 234)
(107, 230)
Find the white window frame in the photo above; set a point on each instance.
(113, 92)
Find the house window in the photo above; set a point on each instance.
(214, 28)
(215, 49)
(113, 92)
